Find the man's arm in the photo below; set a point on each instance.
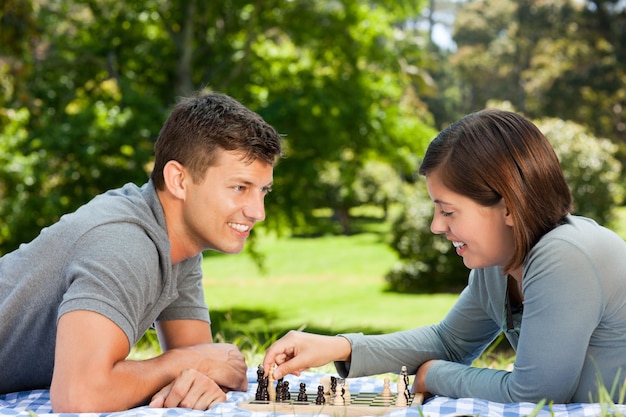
(226, 365)
(92, 374)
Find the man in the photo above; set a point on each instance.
(77, 298)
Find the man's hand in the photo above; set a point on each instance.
(223, 363)
(298, 351)
(192, 389)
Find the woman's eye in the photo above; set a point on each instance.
(445, 213)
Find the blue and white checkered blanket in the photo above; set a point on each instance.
(37, 402)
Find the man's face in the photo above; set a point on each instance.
(220, 211)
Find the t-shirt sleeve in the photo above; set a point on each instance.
(114, 270)
(190, 303)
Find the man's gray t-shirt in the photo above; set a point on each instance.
(112, 257)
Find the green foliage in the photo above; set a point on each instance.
(95, 79)
(559, 58)
(58, 161)
(589, 166)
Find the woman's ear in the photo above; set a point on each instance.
(508, 218)
(174, 175)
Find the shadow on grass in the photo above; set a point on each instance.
(257, 328)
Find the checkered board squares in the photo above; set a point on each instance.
(361, 404)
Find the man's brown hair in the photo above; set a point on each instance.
(202, 123)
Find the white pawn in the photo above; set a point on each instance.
(346, 393)
(386, 393)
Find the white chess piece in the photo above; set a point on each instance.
(401, 400)
(271, 390)
(338, 400)
(386, 392)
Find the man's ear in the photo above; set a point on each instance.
(175, 175)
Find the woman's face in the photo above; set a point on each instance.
(483, 236)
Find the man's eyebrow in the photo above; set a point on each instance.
(248, 182)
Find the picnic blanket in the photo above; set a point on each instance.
(37, 402)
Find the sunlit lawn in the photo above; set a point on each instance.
(328, 285)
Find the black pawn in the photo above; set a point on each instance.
(280, 391)
(320, 399)
(287, 395)
(302, 397)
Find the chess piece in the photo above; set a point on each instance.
(320, 399)
(280, 391)
(407, 391)
(271, 390)
(259, 380)
(386, 392)
(333, 388)
(286, 394)
(339, 400)
(401, 400)
(346, 393)
(263, 395)
(302, 397)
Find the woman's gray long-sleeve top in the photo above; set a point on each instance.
(570, 335)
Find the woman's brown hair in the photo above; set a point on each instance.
(494, 154)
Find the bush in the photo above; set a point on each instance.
(590, 168)
(428, 263)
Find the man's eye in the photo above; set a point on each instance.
(267, 190)
(239, 188)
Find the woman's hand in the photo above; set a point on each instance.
(298, 351)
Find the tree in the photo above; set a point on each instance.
(558, 58)
(338, 78)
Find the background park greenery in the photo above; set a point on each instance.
(357, 88)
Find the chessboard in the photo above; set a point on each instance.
(361, 404)
(332, 397)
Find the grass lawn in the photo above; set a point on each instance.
(326, 285)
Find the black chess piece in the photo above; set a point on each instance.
(320, 399)
(259, 378)
(287, 395)
(302, 397)
(280, 391)
(265, 395)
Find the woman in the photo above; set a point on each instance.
(554, 283)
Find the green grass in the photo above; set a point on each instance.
(327, 285)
